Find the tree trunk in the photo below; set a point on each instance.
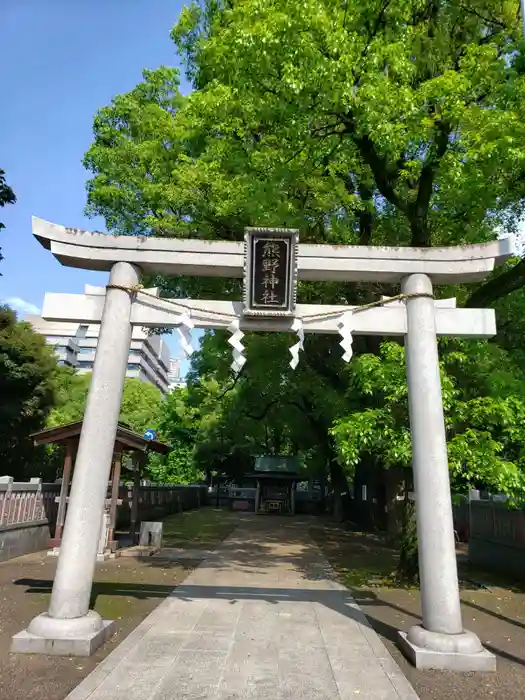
(408, 566)
(340, 486)
(394, 485)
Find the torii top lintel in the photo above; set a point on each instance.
(175, 256)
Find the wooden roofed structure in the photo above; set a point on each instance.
(276, 478)
(126, 441)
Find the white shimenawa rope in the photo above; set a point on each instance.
(297, 327)
(184, 331)
(345, 326)
(238, 348)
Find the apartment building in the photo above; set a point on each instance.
(76, 344)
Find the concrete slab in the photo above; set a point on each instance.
(261, 617)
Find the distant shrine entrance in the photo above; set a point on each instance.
(273, 484)
(270, 261)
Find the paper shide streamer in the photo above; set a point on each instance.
(184, 331)
(297, 327)
(345, 326)
(238, 348)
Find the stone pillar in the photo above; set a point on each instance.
(69, 626)
(441, 641)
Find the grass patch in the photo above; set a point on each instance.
(361, 560)
(365, 561)
(198, 529)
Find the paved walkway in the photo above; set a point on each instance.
(260, 618)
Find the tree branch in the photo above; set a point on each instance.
(365, 216)
(266, 409)
(498, 286)
(417, 211)
(233, 385)
(384, 175)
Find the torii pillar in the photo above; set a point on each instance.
(70, 627)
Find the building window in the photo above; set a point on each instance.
(84, 350)
(85, 364)
(133, 366)
(57, 339)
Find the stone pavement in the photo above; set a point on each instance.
(261, 618)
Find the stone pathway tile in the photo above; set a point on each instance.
(261, 618)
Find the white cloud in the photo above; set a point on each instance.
(21, 305)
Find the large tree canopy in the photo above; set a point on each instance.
(383, 122)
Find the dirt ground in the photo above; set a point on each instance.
(492, 608)
(125, 589)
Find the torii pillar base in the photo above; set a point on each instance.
(446, 652)
(79, 636)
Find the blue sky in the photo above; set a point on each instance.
(63, 60)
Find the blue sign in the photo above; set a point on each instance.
(150, 434)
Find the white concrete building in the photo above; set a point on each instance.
(175, 381)
(76, 344)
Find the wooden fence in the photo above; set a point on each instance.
(22, 502)
(497, 537)
(28, 510)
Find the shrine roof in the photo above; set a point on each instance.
(129, 440)
(286, 464)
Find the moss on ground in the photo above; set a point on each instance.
(198, 529)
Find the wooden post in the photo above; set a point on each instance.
(135, 496)
(64, 490)
(115, 484)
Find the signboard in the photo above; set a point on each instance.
(150, 434)
(268, 463)
(270, 271)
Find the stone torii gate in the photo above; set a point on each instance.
(69, 627)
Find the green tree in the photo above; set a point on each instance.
(178, 427)
(377, 122)
(140, 407)
(28, 368)
(484, 419)
(7, 196)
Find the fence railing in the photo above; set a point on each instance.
(161, 498)
(496, 536)
(27, 502)
(493, 521)
(34, 501)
